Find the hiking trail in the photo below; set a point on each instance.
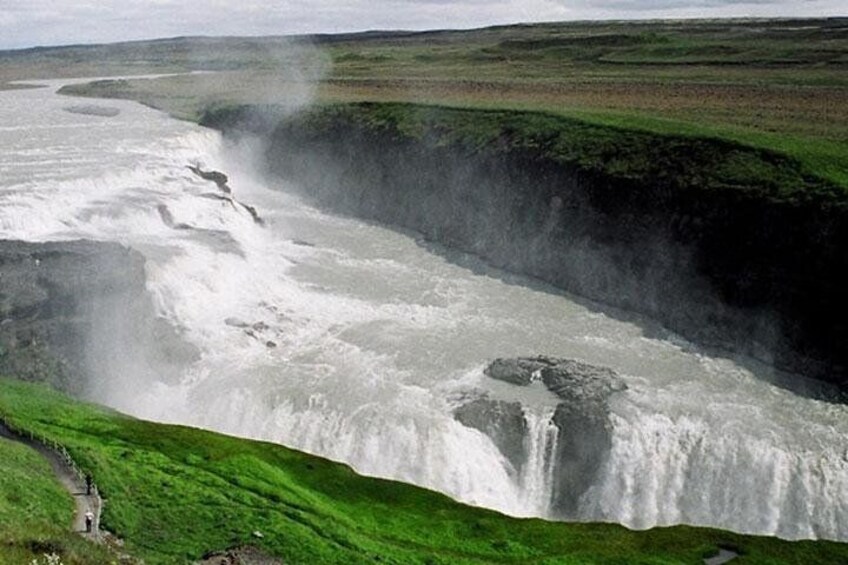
(70, 478)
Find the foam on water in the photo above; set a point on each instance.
(347, 339)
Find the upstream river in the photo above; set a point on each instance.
(357, 342)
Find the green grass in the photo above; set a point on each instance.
(677, 162)
(174, 493)
(818, 156)
(780, 86)
(36, 512)
(824, 158)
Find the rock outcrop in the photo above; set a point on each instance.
(219, 178)
(502, 421)
(77, 314)
(582, 419)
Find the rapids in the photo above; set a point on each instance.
(356, 342)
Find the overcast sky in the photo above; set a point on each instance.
(27, 23)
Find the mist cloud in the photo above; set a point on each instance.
(56, 22)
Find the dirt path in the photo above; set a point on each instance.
(68, 477)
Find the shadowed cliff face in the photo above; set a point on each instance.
(726, 267)
(76, 314)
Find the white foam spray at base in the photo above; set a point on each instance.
(346, 339)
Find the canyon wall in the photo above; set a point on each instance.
(732, 247)
(76, 314)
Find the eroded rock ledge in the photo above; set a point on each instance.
(77, 314)
(584, 435)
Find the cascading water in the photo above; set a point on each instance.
(350, 340)
(537, 475)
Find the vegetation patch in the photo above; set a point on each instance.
(676, 162)
(36, 512)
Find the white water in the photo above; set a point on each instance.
(376, 337)
(537, 475)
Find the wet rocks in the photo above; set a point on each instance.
(570, 380)
(168, 218)
(72, 311)
(253, 213)
(93, 110)
(219, 178)
(254, 330)
(502, 421)
(521, 371)
(582, 419)
(577, 382)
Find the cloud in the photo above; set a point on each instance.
(50, 22)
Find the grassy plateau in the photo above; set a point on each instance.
(780, 85)
(173, 493)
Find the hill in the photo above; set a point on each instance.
(175, 493)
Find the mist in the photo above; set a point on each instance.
(534, 220)
(360, 317)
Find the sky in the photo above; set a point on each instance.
(29, 23)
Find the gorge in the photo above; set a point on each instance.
(385, 341)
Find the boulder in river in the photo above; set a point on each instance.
(219, 178)
(584, 435)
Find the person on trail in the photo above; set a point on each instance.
(88, 483)
(89, 521)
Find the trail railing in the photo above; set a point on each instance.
(28, 436)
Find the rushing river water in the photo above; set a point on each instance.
(354, 341)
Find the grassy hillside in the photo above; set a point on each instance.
(36, 512)
(174, 493)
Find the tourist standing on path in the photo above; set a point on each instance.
(88, 483)
(89, 521)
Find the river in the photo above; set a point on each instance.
(356, 342)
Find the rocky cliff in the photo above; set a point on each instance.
(77, 314)
(584, 432)
(730, 246)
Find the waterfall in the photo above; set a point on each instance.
(537, 474)
(346, 339)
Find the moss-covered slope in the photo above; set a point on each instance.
(174, 493)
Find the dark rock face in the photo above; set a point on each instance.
(579, 383)
(520, 371)
(244, 555)
(722, 267)
(77, 313)
(585, 434)
(502, 421)
(219, 178)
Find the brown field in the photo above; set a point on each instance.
(775, 84)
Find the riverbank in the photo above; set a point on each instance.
(731, 246)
